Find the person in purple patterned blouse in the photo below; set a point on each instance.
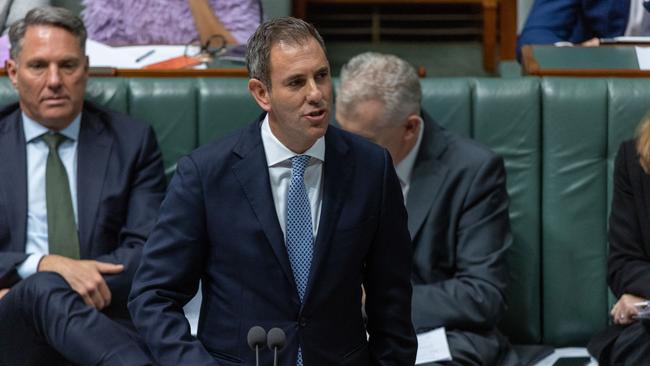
(126, 22)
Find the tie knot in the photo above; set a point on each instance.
(53, 140)
(299, 164)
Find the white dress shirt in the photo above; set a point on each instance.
(37, 151)
(278, 158)
(404, 168)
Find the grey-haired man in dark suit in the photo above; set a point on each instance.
(455, 194)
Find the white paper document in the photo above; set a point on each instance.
(433, 347)
(132, 57)
(643, 57)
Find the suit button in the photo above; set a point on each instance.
(302, 322)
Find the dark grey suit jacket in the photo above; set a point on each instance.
(120, 180)
(458, 220)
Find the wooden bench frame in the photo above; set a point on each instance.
(507, 22)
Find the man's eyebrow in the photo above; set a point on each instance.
(294, 77)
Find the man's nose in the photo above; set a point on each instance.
(314, 93)
(53, 77)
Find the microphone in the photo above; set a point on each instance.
(275, 341)
(256, 340)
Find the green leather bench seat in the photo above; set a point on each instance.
(558, 137)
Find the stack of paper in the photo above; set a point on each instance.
(132, 57)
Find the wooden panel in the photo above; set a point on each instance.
(505, 23)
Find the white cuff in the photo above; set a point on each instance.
(29, 265)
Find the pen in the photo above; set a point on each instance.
(147, 54)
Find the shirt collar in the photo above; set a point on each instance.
(405, 167)
(277, 153)
(35, 130)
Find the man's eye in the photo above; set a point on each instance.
(36, 65)
(69, 65)
(295, 83)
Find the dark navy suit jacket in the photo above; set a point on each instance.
(120, 180)
(218, 224)
(576, 21)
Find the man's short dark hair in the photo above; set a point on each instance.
(286, 29)
(47, 15)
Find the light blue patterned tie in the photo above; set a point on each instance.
(299, 228)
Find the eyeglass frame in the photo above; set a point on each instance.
(207, 53)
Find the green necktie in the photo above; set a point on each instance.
(62, 234)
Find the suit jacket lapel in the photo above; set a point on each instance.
(427, 177)
(337, 175)
(14, 165)
(252, 172)
(93, 151)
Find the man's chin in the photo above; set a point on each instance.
(56, 121)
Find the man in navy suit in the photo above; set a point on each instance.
(79, 193)
(282, 222)
(579, 21)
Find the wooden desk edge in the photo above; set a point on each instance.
(531, 67)
(111, 72)
(593, 73)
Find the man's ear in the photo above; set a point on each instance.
(412, 127)
(12, 70)
(261, 94)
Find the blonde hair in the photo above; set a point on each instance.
(643, 143)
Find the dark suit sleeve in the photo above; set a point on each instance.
(9, 263)
(168, 277)
(147, 188)
(549, 21)
(387, 280)
(474, 297)
(628, 265)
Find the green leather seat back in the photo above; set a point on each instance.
(574, 209)
(224, 106)
(506, 117)
(8, 94)
(449, 102)
(170, 106)
(112, 93)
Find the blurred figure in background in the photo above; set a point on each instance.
(126, 22)
(584, 21)
(10, 12)
(13, 10)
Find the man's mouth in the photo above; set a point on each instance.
(316, 113)
(55, 99)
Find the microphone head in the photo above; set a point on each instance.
(276, 338)
(256, 337)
